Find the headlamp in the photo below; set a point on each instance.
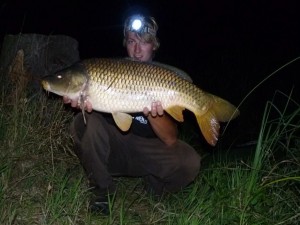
(140, 25)
(136, 24)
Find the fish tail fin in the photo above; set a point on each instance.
(219, 111)
(223, 109)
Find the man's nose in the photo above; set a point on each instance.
(137, 47)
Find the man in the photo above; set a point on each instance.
(150, 149)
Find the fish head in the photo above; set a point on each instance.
(68, 82)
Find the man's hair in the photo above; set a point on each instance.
(148, 31)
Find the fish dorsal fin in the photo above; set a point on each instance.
(209, 126)
(176, 112)
(123, 120)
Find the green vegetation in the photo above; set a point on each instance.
(42, 182)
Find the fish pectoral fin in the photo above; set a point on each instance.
(123, 120)
(209, 126)
(176, 112)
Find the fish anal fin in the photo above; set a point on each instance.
(123, 120)
(209, 127)
(219, 110)
(176, 112)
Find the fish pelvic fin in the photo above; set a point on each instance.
(220, 110)
(176, 112)
(123, 120)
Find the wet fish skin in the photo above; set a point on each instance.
(122, 86)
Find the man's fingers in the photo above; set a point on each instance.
(146, 111)
(66, 100)
(88, 106)
(156, 109)
(159, 109)
(74, 103)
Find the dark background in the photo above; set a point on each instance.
(227, 47)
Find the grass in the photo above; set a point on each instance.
(42, 182)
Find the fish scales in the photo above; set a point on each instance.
(131, 86)
(122, 86)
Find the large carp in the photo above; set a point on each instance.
(122, 86)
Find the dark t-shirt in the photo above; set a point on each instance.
(140, 125)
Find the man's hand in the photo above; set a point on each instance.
(156, 110)
(163, 126)
(75, 103)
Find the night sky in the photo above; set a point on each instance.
(226, 46)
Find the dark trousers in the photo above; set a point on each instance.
(104, 151)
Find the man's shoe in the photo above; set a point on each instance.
(100, 205)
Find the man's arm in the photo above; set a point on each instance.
(162, 124)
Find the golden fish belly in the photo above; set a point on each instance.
(135, 98)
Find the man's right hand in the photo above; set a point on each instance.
(75, 103)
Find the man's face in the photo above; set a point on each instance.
(138, 49)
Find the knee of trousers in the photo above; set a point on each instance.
(94, 123)
(190, 163)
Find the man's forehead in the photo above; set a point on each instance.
(133, 35)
